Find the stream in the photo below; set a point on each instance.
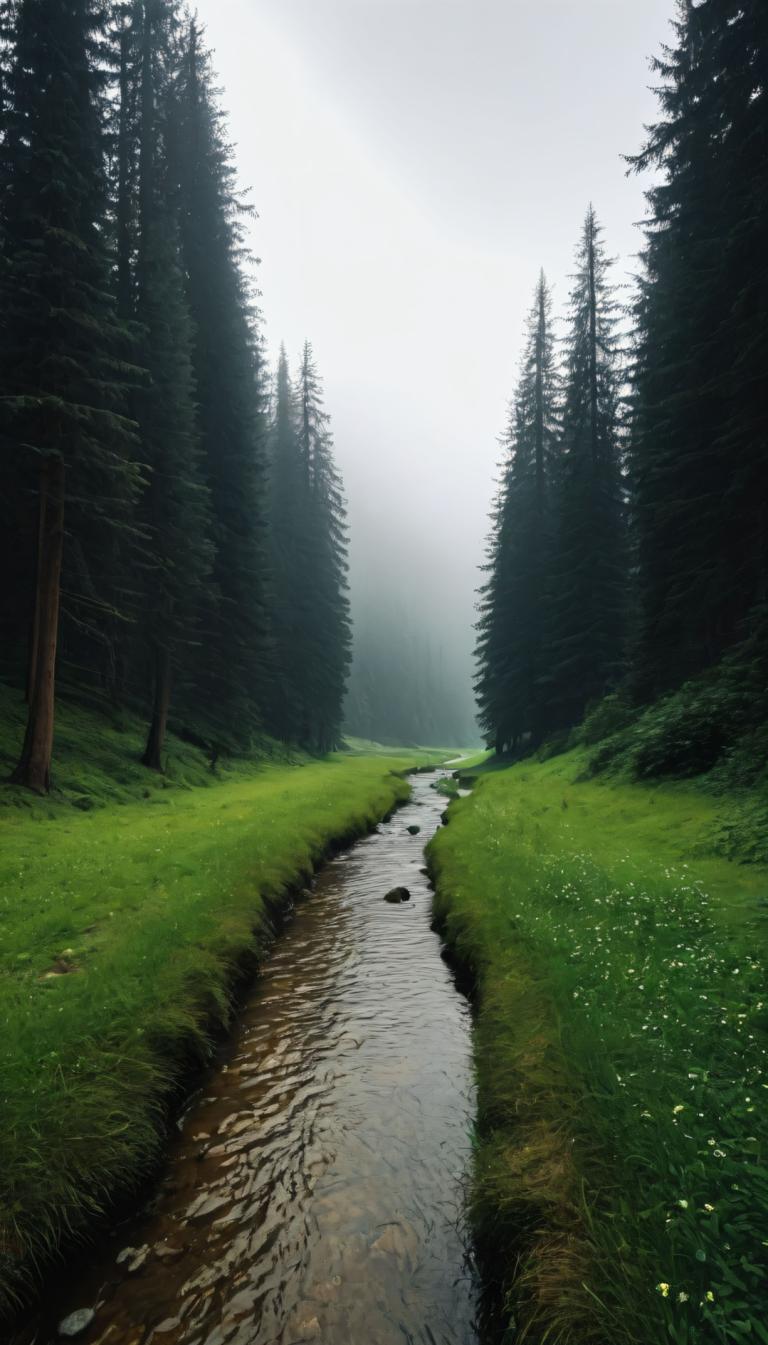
(314, 1190)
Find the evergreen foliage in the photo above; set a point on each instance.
(288, 558)
(133, 399)
(672, 606)
(229, 381)
(310, 610)
(699, 468)
(552, 612)
(515, 601)
(175, 509)
(587, 631)
(327, 629)
(63, 354)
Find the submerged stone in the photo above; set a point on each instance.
(76, 1322)
(397, 895)
(133, 1258)
(414, 830)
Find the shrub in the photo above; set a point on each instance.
(608, 717)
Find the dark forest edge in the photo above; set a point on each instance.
(628, 553)
(173, 532)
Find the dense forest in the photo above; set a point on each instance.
(628, 559)
(172, 521)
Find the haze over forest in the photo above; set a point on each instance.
(416, 177)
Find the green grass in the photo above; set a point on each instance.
(366, 747)
(122, 930)
(467, 760)
(621, 1047)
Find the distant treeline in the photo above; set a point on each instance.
(404, 688)
(172, 525)
(629, 550)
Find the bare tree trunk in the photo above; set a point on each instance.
(153, 756)
(34, 768)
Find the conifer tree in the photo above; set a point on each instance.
(327, 632)
(588, 609)
(63, 351)
(289, 561)
(700, 420)
(175, 508)
(229, 381)
(310, 608)
(514, 602)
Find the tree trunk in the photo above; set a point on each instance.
(34, 640)
(153, 756)
(34, 768)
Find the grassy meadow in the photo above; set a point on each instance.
(621, 1180)
(128, 903)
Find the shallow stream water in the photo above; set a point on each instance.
(315, 1189)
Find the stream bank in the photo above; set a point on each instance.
(123, 932)
(315, 1189)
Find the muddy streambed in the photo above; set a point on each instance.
(315, 1188)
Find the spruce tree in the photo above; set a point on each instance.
(63, 351)
(289, 562)
(310, 608)
(229, 380)
(175, 508)
(514, 603)
(588, 608)
(327, 633)
(700, 419)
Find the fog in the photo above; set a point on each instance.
(413, 164)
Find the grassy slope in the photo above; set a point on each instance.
(121, 929)
(621, 1052)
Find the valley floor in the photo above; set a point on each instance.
(127, 910)
(621, 1189)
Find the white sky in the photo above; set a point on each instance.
(414, 163)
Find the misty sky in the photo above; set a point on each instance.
(414, 163)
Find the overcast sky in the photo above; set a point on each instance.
(414, 163)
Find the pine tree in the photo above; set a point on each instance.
(327, 633)
(699, 471)
(63, 351)
(310, 608)
(289, 561)
(514, 602)
(589, 576)
(229, 379)
(175, 509)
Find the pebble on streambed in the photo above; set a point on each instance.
(76, 1322)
